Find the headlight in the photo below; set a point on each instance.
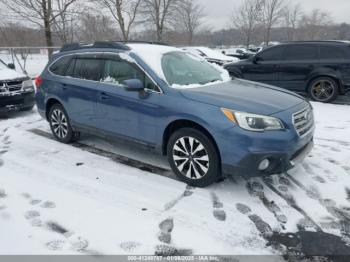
(253, 122)
(28, 86)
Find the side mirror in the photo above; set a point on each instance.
(11, 66)
(133, 85)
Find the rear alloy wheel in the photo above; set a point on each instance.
(60, 125)
(324, 89)
(193, 157)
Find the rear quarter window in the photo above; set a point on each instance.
(330, 52)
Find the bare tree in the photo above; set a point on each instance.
(271, 14)
(39, 12)
(191, 16)
(292, 15)
(246, 18)
(94, 28)
(65, 22)
(124, 12)
(315, 24)
(160, 14)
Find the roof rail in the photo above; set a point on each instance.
(143, 42)
(98, 44)
(319, 41)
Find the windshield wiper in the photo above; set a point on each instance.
(210, 81)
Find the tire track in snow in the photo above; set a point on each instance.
(114, 157)
(291, 202)
(301, 245)
(342, 214)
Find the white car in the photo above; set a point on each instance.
(210, 55)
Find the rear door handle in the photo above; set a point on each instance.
(64, 86)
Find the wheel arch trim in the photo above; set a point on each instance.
(177, 124)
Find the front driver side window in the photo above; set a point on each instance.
(117, 71)
(271, 54)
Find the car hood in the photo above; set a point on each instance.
(9, 74)
(245, 96)
(239, 63)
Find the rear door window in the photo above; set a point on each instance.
(329, 52)
(88, 68)
(301, 52)
(59, 67)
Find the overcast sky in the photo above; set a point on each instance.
(219, 11)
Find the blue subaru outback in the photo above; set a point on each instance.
(207, 124)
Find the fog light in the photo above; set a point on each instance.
(264, 165)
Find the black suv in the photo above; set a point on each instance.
(16, 90)
(321, 69)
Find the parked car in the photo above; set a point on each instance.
(239, 53)
(170, 101)
(319, 69)
(255, 49)
(16, 90)
(212, 56)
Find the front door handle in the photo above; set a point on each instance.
(64, 86)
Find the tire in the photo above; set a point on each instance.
(60, 125)
(195, 166)
(323, 89)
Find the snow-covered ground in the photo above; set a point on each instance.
(61, 199)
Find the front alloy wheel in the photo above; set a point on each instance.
(193, 157)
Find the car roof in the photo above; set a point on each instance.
(318, 42)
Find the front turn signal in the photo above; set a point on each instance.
(229, 114)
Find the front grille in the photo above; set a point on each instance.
(14, 86)
(304, 121)
(10, 86)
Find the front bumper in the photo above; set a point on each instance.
(242, 151)
(279, 162)
(16, 102)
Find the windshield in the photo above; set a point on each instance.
(3, 65)
(182, 69)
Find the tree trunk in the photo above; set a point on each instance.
(47, 11)
(159, 33)
(48, 38)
